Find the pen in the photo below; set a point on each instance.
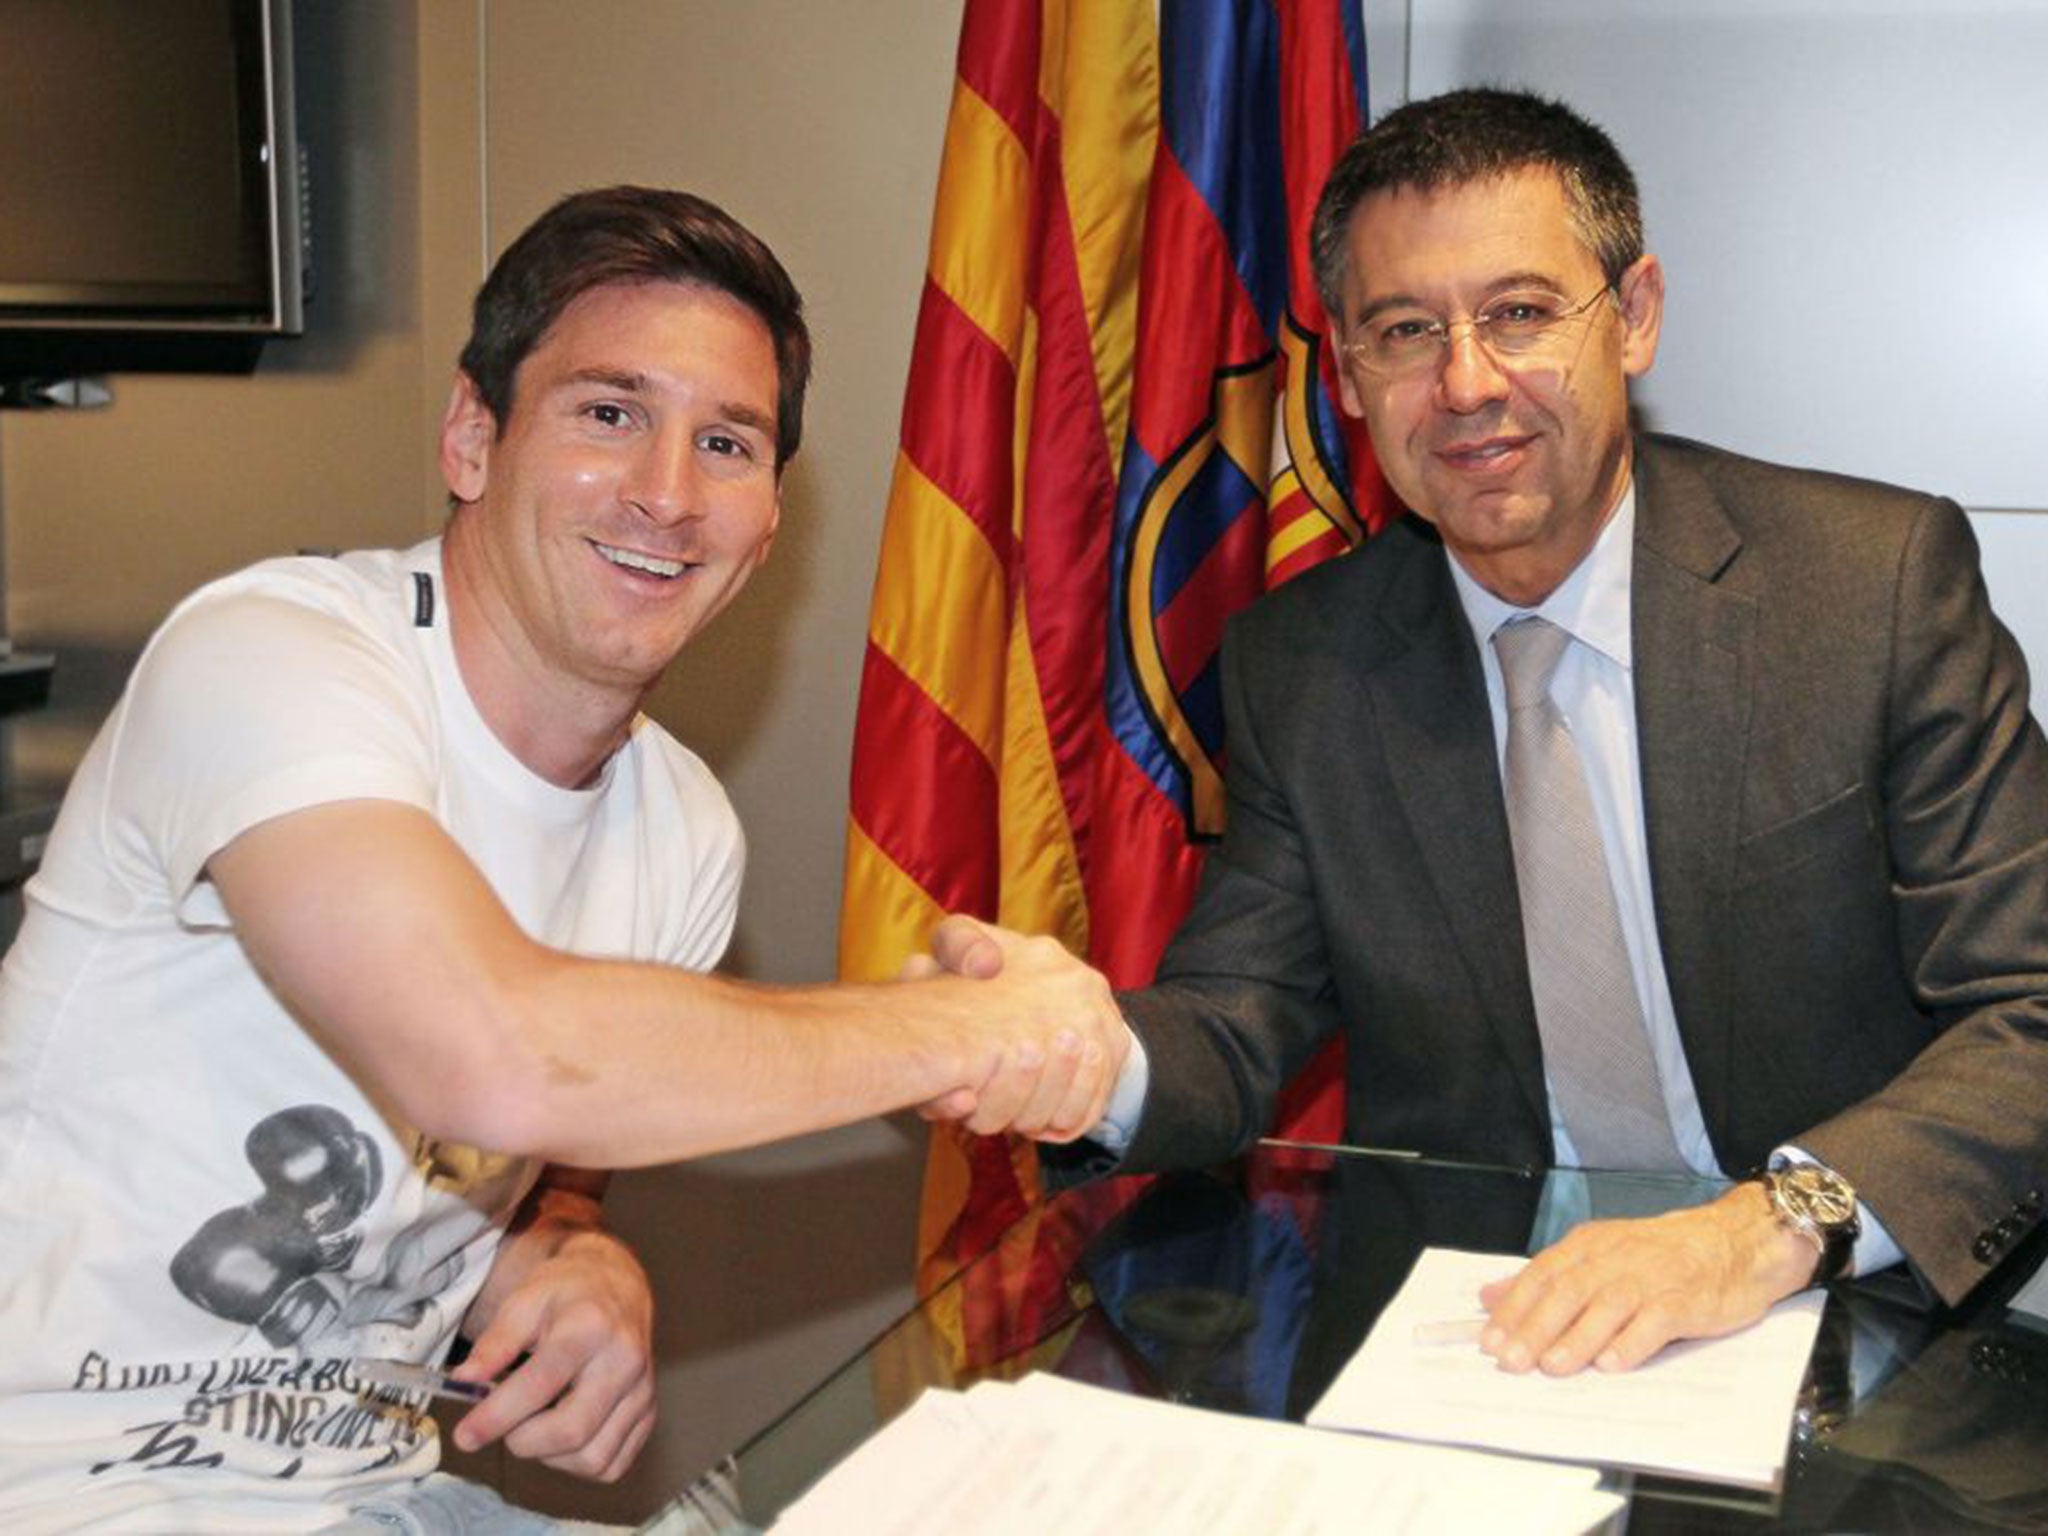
(420, 1378)
(1452, 1330)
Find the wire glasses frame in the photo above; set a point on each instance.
(1513, 326)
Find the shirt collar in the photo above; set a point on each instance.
(1592, 603)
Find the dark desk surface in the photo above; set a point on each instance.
(1247, 1289)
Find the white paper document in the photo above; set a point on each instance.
(2031, 1300)
(1046, 1455)
(1716, 1409)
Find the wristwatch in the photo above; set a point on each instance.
(1819, 1204)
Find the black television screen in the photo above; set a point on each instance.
(149, 192)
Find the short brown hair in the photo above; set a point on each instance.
(633, 235)
(1472, 135)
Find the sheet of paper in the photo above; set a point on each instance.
(2032, 1298)
(1050, 1455)
(1716, 1409)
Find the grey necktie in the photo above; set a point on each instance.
(1595, 1050)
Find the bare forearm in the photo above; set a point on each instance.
(616, 1065)
(398, 955)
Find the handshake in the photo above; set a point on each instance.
(1042, 1037)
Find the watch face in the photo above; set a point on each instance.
(1818, 1195)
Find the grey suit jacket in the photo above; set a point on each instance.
(1847, 812)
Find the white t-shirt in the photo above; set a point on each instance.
(203, 1217)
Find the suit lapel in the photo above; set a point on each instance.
(1694, 681)
(1430, 709)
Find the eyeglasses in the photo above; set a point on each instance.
(1405, 344)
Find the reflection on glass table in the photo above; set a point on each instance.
(1246, 1290)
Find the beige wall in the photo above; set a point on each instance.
(438, 128)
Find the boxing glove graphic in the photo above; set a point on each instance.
(262, 1263)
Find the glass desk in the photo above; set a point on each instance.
(1246, 1290)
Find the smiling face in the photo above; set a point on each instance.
(1518, 465)
(627, 500)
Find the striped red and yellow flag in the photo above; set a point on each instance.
(1119, 428)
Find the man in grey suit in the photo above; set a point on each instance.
(1815, 942)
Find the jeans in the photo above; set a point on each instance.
(441, 1504)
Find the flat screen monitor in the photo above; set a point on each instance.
(150, 205)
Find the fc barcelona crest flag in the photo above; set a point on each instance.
(1120, 427)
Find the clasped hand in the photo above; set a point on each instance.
(1051, 1038)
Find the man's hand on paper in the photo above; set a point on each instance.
(1613, 1293)
(1049, 1089)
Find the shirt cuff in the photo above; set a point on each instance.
(1119, 1122)
(1874, 1249)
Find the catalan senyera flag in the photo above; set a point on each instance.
(1120, 426)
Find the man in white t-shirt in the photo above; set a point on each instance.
(376, 916)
